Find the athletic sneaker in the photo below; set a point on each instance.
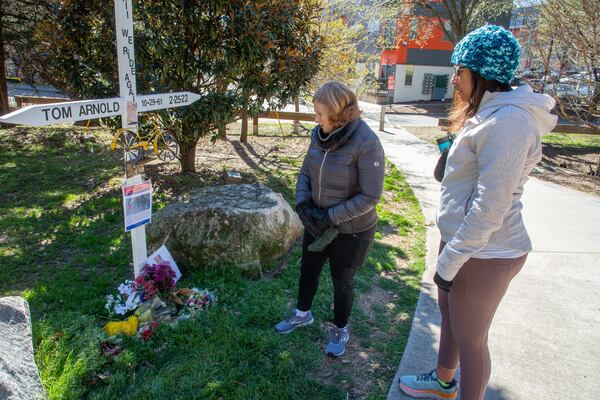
(427, 386)
(338, 337)
(293, 322)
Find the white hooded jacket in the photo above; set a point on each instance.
(480, 205)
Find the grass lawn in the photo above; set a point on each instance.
(572, 140)
(62, 247)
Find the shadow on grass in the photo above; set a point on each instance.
(63, 248)
(569, 153)
(58, 210)
(275, 182)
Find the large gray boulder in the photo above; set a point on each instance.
(19, 376)
(245, 225)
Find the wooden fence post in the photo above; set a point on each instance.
(382, 118)
(296, 109)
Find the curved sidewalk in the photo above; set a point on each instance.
(545, 338)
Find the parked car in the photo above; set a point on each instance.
(552, 77)
(569, 80)
(538, 85)
(563, 90)
(531, 73)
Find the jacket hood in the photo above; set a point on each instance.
(536, 104)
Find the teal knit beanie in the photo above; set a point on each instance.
(491, 50)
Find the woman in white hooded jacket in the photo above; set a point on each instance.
(484, 241)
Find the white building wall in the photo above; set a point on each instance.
(403, 93)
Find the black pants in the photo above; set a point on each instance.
(346, 253)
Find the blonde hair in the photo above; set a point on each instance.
(340, 101)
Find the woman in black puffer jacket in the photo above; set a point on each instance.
(340, 183)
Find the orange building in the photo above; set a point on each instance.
(418, 67)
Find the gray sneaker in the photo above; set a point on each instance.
(293, 322)
(338, 337)
(427, 386)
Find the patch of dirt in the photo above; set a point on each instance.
(356, 370)
(260, 152)
(261, 155)
(352, 371)
(376, 296)
(574, 167)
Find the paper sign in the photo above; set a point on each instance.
(162, 255)
(137, 204)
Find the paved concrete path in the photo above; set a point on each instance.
(545, 338)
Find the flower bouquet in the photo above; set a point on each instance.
(153, 298)
(194, 301)
(127, 300)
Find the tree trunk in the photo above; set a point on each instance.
(188, 157)
(3, 89)
(244, 132)
(547, 66)
(596, 97)
(222, 132)
(297, 109)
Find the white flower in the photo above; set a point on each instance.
(120, 309)
(133, 301)
(126, 288)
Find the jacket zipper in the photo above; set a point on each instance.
(321, 174)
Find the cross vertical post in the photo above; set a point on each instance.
(127, 91)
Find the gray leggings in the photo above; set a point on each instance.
(467, 313)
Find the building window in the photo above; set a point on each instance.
(414, 28)
(386, 72)
(408, 78)
(428, 81)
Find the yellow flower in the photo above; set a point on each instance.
(128, 327)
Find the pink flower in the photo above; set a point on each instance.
(154, 279)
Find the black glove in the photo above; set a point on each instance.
(320, 218)
(309, 225)
(441, 283)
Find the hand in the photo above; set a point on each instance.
(309, 225)
(303, 205)
(320, 218)
(441, 283)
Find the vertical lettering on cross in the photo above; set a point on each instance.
(127, 91)
(126, 63)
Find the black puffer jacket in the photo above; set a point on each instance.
(346, 178)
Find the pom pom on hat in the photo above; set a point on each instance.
(491, 51)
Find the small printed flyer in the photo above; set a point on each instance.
(162, 255)
(137, 204)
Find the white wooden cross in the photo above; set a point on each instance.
(127, 105)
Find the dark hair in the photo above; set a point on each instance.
(461, 111)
